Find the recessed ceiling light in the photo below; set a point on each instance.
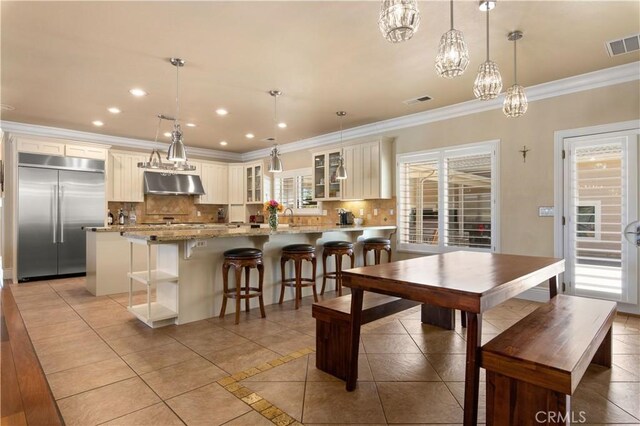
(250, 136)
(6, 107)
(97, 123)
(223, 143)
(282, 125)
(138, 92)
(190, 125)
(222, 111)
(114, 110)
(167, 134)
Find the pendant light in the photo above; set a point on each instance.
(453, 57)
(341, 171)
(177, 152)
(399, 19)
(155, 160)
(488, 84)
(515, 101)
(275, 164)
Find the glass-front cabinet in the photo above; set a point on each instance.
(254, 183)
(325, 184)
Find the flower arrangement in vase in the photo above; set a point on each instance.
(272, 207)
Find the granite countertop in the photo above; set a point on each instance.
(159, 227)
(195, 233)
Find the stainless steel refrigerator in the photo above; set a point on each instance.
(57, 196)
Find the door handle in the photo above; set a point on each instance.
(55, 212)
(61, 221)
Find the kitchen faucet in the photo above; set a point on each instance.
(285, 214)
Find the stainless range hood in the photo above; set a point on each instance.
(172, 184)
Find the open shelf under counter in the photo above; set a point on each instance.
(158, 311)
(155, 277)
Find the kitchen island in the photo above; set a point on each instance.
(188, 271)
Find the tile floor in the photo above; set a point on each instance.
(106, 367)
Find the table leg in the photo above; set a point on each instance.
(472, 374)
(356, 319)
(553, 286)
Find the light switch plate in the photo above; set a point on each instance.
(375, 212)
(545, 211)
(361, 212)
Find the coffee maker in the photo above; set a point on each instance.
(345, 217)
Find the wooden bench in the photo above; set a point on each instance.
(333, 321)
(535, 366)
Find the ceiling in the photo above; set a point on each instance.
(65, 63)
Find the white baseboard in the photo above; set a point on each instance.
(7, 274)
(536, 294)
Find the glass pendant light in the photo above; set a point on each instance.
(399, 19)
(275, 164)
(453, 56)
(341, 171)
(488, 84)
(515, 101)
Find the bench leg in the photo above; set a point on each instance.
(513, 402)
(553, 286)
(356, 319)
(438, 316)
(603, 355)
(472, 371)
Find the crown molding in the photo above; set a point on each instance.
(114, 141)
(565, 86)
(578, 83)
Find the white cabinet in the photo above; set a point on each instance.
(325, 184)
(368, 170)
(125, 177)
(35, 146)
(60, 148)
(85, 151)
(215, 180)
(236, 184)
(254, 183)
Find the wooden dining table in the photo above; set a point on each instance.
(473, 282)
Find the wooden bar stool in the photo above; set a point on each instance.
(298, 253)
(240, 258)
(339, 249)
(377, 245)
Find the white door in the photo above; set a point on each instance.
(600, 199)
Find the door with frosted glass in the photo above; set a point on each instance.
(600, 199)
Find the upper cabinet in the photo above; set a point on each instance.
(368, 170)
(60, 148)
(236, 184)
(84, 151)
(325, 184)
(215, 180)
(125, 177)
(255, 183)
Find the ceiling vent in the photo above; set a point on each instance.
(623, 45)
(269, 139)
(417, 100)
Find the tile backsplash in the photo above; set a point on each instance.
(386, 210)
(183, 210)
(181, 207)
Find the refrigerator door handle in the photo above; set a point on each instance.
(54, 205)
(61, 221)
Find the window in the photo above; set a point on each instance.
(447, 199)
(294, 189)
